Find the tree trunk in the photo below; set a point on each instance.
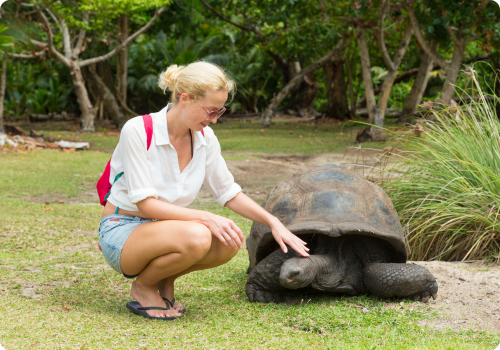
(82, 97)
(417, 91)
(110, 103)
(452, 72)
(337, 93)
(349, 67)
(303, 96)
(393, 66)
(3, 84)
(278, 98)
(373, 115)
(121, 61)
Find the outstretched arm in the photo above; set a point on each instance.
(245, 206)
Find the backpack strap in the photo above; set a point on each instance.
(148, 126)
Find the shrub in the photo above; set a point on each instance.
(446, 184)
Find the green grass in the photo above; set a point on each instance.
(237, 137)
(81, 302)
(49, 172)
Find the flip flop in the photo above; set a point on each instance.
(181, 310)
(137, 308)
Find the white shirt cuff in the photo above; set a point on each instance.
(233, 191)
(139, 195)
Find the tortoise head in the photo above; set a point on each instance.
(298, 272)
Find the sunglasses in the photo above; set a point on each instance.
(211, 114)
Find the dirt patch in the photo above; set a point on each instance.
(87, 197)
(28, 288)
(258, 175)
(468, 296)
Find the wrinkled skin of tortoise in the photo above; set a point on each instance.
(355, 238)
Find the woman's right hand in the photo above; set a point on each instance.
(224, 229)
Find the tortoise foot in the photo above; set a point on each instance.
(400, 280)
(424, 296)
(255, 294)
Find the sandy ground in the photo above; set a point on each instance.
(469, 292)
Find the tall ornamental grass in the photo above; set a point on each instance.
(446, 184)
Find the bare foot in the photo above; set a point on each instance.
(150, 297)
(166, 289)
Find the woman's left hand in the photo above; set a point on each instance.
(284, 237)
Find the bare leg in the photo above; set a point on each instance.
(218, 255)
(159, 249)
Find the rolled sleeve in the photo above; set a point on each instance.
(139, 195)
(218, 179)
(135, 164)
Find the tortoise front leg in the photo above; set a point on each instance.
(263, 284)
(400, 280)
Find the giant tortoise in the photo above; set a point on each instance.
(356, 242)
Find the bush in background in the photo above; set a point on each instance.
(446, 185)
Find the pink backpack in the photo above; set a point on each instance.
(103, 185)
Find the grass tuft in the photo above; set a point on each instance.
(446, 186)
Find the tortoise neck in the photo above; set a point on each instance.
(329, 272)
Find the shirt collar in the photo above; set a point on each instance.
(161, 129)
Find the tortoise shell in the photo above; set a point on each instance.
(328, 200)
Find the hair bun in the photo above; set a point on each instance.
(168, 78)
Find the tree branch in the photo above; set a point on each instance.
(254, 29)
(50, 44)
(39, 43)
(125, 43)
(22, 55)
(28, 13)
(66, 39)
(452, 35)
(81, 37)
(280, 63)
(474, 37)
(54, 18)
(381, 41)
(403, 45)
(420, 37)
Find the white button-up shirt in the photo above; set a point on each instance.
(155, 173)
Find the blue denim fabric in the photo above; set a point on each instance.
(113, 232)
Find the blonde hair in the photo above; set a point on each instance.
(195, 79)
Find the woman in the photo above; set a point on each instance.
(146, 231)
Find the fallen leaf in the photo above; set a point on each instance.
(270, 144)
(300, 136)
(45, 208)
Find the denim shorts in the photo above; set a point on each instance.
(113, 232)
